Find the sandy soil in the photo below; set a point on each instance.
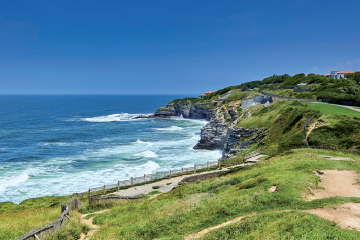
(89, 223)
(336, 183)
(337, 158)
(346, 215)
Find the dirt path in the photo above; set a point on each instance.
(346, 215)
(88, 222)
(203, 232)
(336, 183)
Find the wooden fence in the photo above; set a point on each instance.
(252, 154)
(52, 227)
(307, 123)
(94, 193)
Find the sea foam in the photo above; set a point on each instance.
(172, 128)
(13, 181)
(147, 154)
(114, 117)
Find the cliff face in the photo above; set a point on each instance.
(213, 135)
(186, 110)
(217, 133)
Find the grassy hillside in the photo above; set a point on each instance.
(18, 219)
(195, 206)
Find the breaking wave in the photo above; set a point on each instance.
(114, 118)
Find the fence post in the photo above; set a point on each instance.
(208, 165)
(118, 185)
(89, 195)
(170, 173)
(194, 168)
(131, 181)
(157, 175)
(104, 190)
(182, 171)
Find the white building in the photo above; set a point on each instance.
(337, 75)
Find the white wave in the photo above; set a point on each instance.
(114, 118)
(149, 144)
(172, 128)
(13, 181)
(147, 154)
(140, 170)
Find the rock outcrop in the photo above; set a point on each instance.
(217, 133)
(186, 110)
(165, 112)
(213, 135)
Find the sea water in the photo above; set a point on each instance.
(62, 144)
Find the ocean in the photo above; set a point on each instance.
(62, 144)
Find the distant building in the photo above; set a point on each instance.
(337, 75)
(302, 84)
(206, 93)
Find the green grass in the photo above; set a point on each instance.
(13, 225)
(18, 219)
(332, 109)
(282, 225)
(71, 231)
(283, 122)
(198, 205)
(154, 192)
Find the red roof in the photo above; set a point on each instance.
(327, 74)
(335, 71)
(345, 72)
(209, 92)
(202, 95)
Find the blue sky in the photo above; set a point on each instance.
(170, 46)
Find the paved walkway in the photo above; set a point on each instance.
(167, 185)
(255, 158)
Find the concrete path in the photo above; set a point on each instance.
(254, 159)
(165, 185)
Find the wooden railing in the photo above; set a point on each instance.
(52, 227)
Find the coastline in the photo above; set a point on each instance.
(204, 122)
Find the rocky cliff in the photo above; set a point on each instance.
(186, 110)
(218, 133)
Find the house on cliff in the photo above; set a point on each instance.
(337, 75)
(206, 93)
